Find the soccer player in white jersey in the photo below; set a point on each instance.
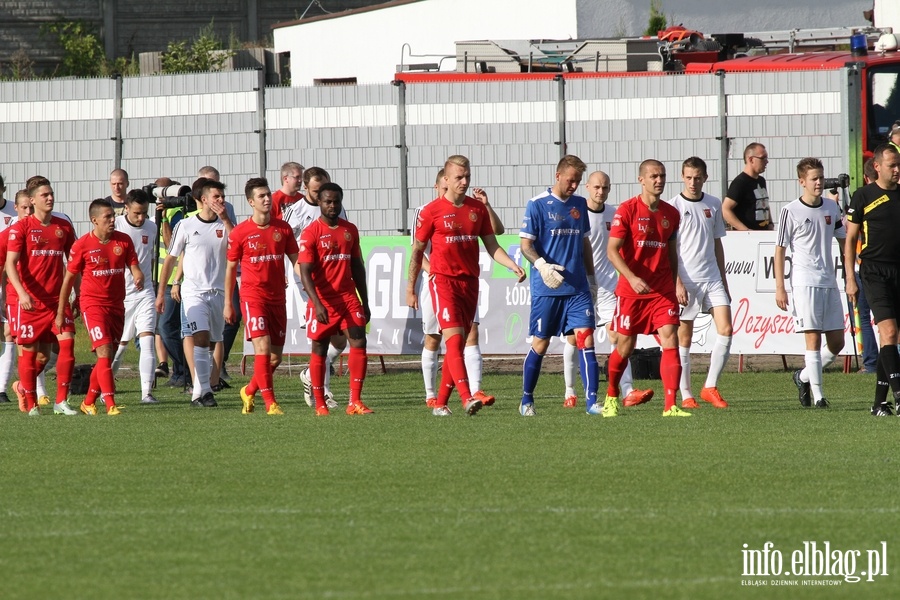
(807, 226)
(140, 309)
(299, 215)
(432, 343)
(22, 208)
(600, 217)
(203, 238)
(701, 285)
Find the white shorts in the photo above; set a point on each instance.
(703, 297)
(140, 316)
(817, 309)
(204, 312)
(605, 307)
(429, 319)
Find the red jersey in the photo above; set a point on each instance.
(12, 297)
(280, 200)
(453, 232)
(260, 252)
(329, 250)
(647, 236)
(42, 250)
(102, 267)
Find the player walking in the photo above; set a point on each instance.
(259, 245)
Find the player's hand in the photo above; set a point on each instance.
(852, 289)
(639, 285)
(160, 303)
(480, 195)
(781, 299)
(228, 313)
(139, 282)
(321, 314)
(550, 273)
(60, 320)
(412, 299)
(520, 273)
(76, 305)
(367, 311)
(681, 293)
(25, 302)
(176, 293)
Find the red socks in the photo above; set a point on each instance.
(262, 379)
(357, 362)
(670, 373)
(616, 368)
(107, 382)
(93, 388)
(317, 377)
(455, 360)
(28, 377)
(65, 366)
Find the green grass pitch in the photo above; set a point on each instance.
(171, 502)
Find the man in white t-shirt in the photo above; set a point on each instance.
(807, 226)
(701, 285)
(203, 239)
(140, 309)
(600, 216)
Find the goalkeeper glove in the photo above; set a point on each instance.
(550, 273)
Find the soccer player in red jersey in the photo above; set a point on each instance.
(100, 258)
(291, 183)
(453, 224)
(259, 246)
(38, 246)
(642, 249)
(334, 276)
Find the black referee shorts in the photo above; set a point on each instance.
(881, 284)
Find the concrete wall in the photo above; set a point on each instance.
(173, 125)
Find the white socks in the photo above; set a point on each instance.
(201, 372)
(117, 360)
(717, 359)
(570, 367)
(333, 354)
(429, 371)
(685, 385)
(6, 364)
(472, 356)
(147, 364)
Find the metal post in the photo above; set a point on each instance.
(260, 90)
(117, 122)
(561, 113)
(404, 158)
(851, 128)
(724, 142)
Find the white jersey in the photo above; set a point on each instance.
(204, 244)
(701, 225)
(8, 215)
(142, 237)
(807, 231)
(605, 272)
(299, 215)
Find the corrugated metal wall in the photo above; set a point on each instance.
(172, 125)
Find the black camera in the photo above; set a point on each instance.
(172, 196)
(833, 183)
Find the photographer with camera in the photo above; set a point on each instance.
(202, 238)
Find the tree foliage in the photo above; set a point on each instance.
(83, 52)
(206, 52)
(657, 21)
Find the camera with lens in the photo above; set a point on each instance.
(833, 183)
(173, 196)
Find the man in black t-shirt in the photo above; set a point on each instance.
(876, 209)
(746, 205)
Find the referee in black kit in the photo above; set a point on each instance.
(875, 213)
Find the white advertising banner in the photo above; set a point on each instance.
(760, 327)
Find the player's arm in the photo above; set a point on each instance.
(672, 252)
(728, 206)
(230, 280)
(496, 223)
(138, 276)
(612, 253)
(64, 292)
(496, 251)
(550, 273)
(306, 278)
(12, 257)
(415, 267)
(719, 250)
(358, 270)
(179, 278)
(164, 274)
(849, 259)
(781, 297)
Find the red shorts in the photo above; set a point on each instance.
(39, 324)
(104, 325)
(455, 301)
(343, 313)
(262, 320)
(635, 316)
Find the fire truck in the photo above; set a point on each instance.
(829, 93)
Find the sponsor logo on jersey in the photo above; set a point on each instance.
(452, 225)
(828, 219)
(276, 236)
(576, 214)
(59, 232)
(665, 223)
(708, 213)
(117, 250)
(473, 217)
(220, 233)
(7, 220)
(347, 236)
(145, 239)
(617, 221)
